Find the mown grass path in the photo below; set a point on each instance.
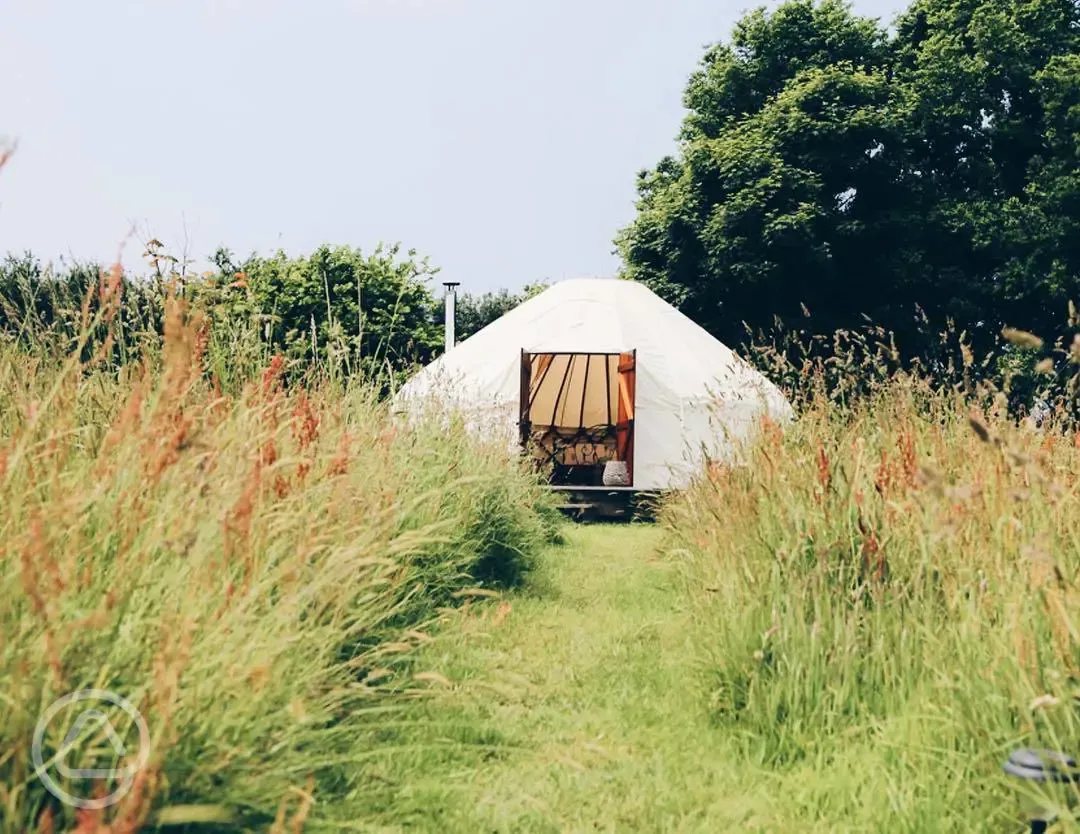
(574, 706)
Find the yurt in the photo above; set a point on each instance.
(605, 384)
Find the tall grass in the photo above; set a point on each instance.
(250, 570)
(844, 367)
(888, 603)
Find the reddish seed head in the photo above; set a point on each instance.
(45, 822)
(824, 474)
(272, 375)
(305, 422)
(340, 464)
(269, 454)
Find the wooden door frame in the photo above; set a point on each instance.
(625, 425)
(524, 396)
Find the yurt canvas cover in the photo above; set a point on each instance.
(692, 396)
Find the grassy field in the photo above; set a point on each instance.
(333, 621)
(886, 603)
(574, 706)
(849, 634)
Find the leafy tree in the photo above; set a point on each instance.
(826, 165)
(475, 312)
(336, 307)
(991, 89)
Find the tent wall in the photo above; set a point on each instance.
(657, 426)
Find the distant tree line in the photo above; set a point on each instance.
(336, 309)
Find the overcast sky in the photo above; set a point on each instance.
(501, 139)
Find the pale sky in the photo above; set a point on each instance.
(501, 139)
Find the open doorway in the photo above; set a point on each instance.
(577, 416)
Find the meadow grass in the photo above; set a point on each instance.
(886, 603)
(574, 704)
(848, 633)
(252, 571)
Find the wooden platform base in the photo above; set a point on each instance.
(605, 503)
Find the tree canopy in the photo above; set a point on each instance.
(828, 164)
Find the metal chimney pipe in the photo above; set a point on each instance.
(451, 312)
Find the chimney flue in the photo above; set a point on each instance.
(451, 311)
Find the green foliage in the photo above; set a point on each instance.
(829, 164)
(475, 312)
(847, 366)
(336, 313)
(336, 308)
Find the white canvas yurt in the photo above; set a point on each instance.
(603, 381)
